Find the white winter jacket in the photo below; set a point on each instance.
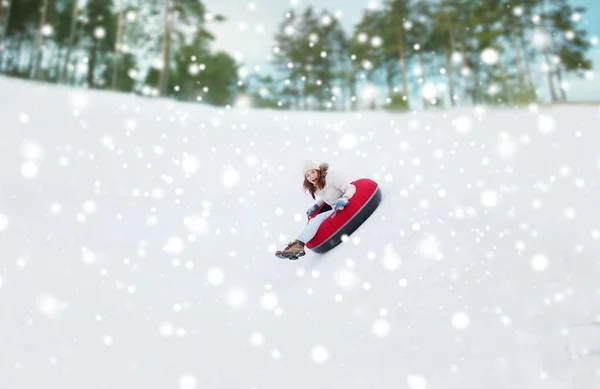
(336, 186)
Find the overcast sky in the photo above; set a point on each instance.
(252, 24)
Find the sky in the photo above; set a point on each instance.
(251, 25)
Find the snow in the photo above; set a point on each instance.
(138, 247)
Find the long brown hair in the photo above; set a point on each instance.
(321, 174)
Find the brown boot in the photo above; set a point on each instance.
(293, 250)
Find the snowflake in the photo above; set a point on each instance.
(319, 354)
(539, 262)
(381, 327)
(460, 320)
(269, 301)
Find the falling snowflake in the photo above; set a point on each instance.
(31, 150)
(29, 169)
(518, 11)
(4, 223)
(416, 382)
(215, 276)
(539, 262)
(87, 256)
(381, 327)
(289, 30)
(490, 56)
(107, 340)
(376, 41)
(257, 339)
(391, 261)
(269, 301)
(187, 382)
(166, 329)
(174, 245)
(460, 320)
(24, 118)
(430, 247)
(570, 213)
(190, 164)
(50, 306)
(507, 147)
(99, 32)
(197, 224)
(236, 297)
(230, 177)
(319, 354)
(546, 124)
(276, 354)
(131, 16)
(89, 207)
(489, 198)
(463, 124)
(348, 141)
(131, 124)
(429, 91)
(346, 278)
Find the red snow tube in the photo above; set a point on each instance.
(364, 202)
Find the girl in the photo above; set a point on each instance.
(333, 189)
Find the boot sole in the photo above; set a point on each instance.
(290, 256)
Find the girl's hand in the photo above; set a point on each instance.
(311, 210)
(341, 203)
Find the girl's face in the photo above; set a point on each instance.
(311, 176)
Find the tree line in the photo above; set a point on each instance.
(154, 47)
(403, 53)
(439, 52)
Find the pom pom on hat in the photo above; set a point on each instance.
(309, 165)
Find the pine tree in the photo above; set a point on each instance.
(101, 35)
(177, 15)
(397, 16)
(568, 42)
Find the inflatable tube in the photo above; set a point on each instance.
(365, 201)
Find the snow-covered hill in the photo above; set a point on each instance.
(137, 243)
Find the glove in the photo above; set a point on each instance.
(311, 210)
(341, 203)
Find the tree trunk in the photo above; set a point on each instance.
(515, 45)
(527, 67)
(505, 89)
(118, 48)
(476, 84)
(73, 78)
(164, 72)
(389, 78)
(463, 49)
(424, 80)
(4, 18)
(56, 66)
(449, 70)
(15, 58)
(403, 69)
(65, 70)
(39, 53)
(352, 85)
(92, 64)
(372, 104)
(547, 53)
(450, 77)
(563, 93)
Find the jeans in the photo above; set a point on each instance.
(310, 230)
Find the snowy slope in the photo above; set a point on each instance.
(137, 240)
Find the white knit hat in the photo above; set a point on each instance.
(309, 165)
